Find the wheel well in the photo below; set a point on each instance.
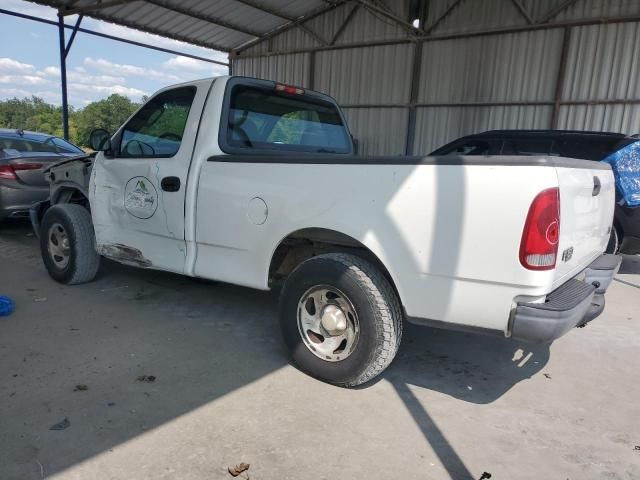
(69, 195)
(303, 244)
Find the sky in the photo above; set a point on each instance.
(96, 67)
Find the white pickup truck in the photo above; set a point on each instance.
(256, 183)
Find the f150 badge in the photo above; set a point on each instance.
(567, 254)
(140, 197)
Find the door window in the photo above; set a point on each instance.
(157, 129)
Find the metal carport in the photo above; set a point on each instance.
(413, 74)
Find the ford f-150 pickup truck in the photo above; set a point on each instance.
(256, 183)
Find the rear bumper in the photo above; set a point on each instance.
(573, 304)
(16, 201)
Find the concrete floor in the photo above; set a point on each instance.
(452, 405)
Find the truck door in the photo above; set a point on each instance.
(138, 188)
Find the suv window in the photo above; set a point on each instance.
(489, 146)
(529, 146)
(273, 120)
(585, 149)
(157, 129)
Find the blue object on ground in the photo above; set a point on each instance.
(625, 164)
(6, 306)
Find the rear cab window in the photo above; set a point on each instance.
(265, 117)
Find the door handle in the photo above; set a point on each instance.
(596, 186)
(170, 184)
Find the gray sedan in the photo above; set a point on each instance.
(23, 158)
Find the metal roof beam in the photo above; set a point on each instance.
(176, 8)
(263, 8)
(391, 16)
(288, 26)
(523, 11)
(73, 35)
(446, 36)
(554, 12)
(444, 15)
(277, 13)
(344, 24)
(124, 40)
(93, 7)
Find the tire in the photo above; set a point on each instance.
(614, 241)
(358, 287)
(66, 232)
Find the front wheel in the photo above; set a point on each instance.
(340, 318)
(68, 244)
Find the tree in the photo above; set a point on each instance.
(39, 116)
(109, 114)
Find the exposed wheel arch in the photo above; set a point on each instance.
(306, 243)
(69, 194)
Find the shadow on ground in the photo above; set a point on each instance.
(199, 340)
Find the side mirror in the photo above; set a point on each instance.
(100, 140)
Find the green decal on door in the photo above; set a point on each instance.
(140, 197)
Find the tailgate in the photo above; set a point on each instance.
(587, 201)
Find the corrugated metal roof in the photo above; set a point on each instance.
(362, 66)
(474, 15)
(603, 62)
(436, 126)
(221, 25)
(608, 118)
(372, 127)
(518, 67)
(291, 69)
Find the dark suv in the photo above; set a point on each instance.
(625, 236)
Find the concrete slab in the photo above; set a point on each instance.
(452, 406)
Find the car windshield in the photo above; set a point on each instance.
(21, 145)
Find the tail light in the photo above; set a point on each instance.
(8, 170)
(539, 245)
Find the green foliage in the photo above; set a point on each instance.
(291, 127)
(109, 114)
(170, 122)
(37, 115)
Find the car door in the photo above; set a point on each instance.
(138, 194)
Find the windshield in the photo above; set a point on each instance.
(272, 120)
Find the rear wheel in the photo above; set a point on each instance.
(614, 241)
(340, 319)
(68, 244)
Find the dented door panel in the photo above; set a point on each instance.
(136, 221)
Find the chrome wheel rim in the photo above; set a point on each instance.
(58, 245)
(328, 323)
